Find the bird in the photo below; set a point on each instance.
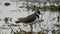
(29, 18)
(6, 19)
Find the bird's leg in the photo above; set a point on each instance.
(58, 18)
(31, 25)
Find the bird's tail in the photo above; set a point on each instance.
(17, 21)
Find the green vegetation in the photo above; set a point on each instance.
(44, 8)
(53, 8)
(42, 32)
(58, 8)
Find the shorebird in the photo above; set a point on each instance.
(29, 18)
(6, 19)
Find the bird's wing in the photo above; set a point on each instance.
(31, 18)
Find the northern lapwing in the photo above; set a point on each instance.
(29, 18)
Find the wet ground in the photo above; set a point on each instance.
(14, 12)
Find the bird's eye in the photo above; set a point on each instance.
(7, 4)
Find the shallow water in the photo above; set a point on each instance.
(7, 12)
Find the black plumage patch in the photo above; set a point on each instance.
(37, 16)
(38, 11)
(7, 4)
